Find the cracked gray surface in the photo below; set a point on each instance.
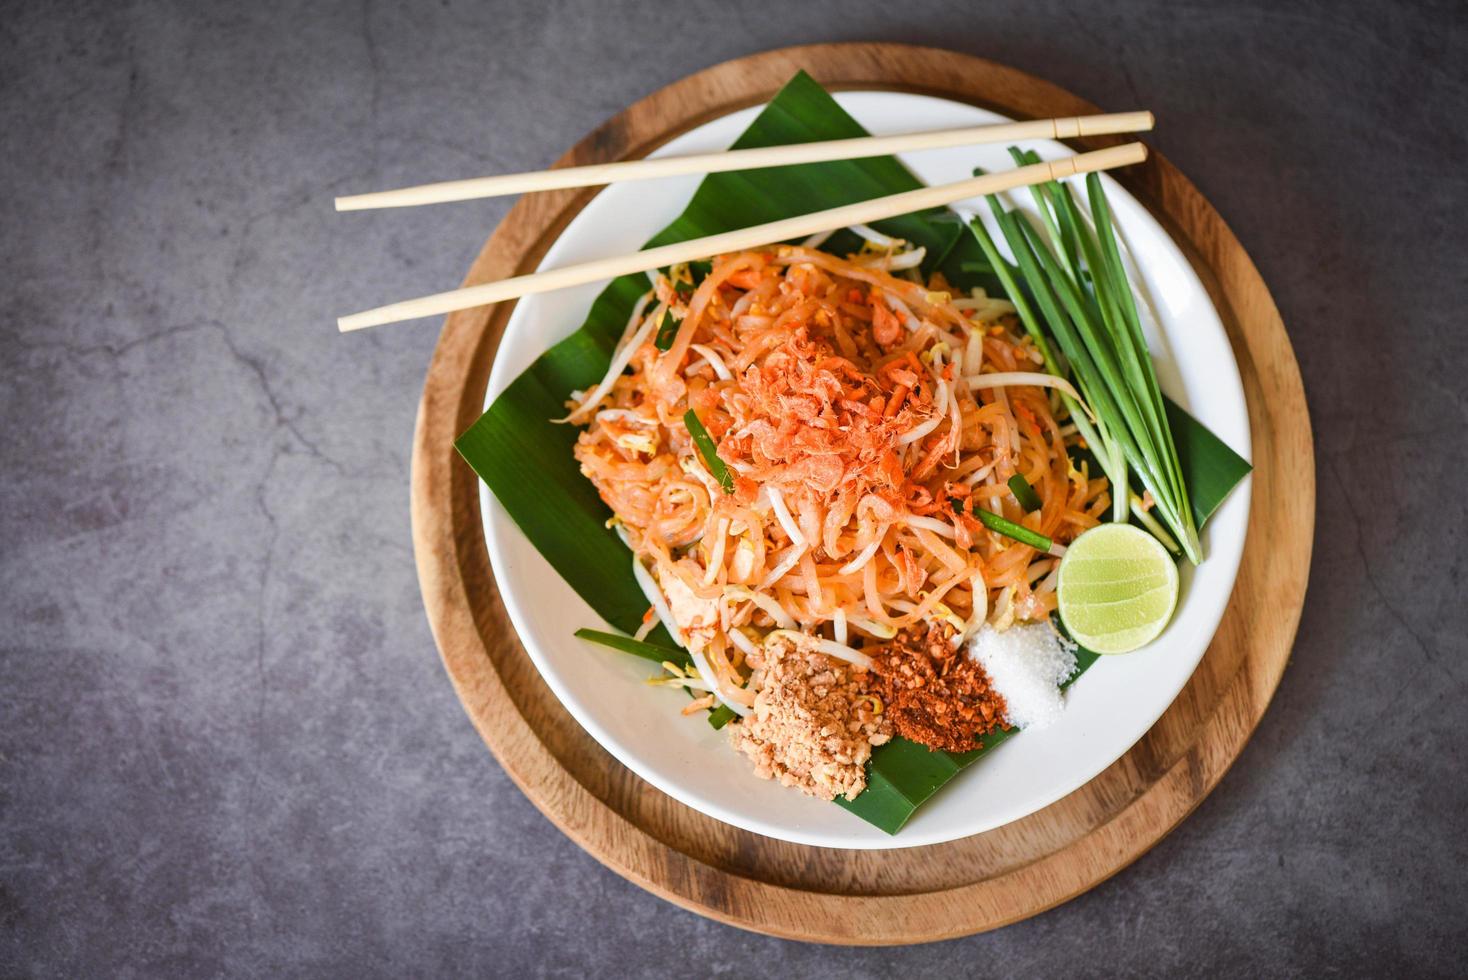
(226, 743)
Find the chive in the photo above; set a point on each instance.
(1154, 527)
(1024, 493)
(1048, 214)
(1072, 270)
(1170, 464)
(708, 451)
(667, 331)
(721, 716)
(1010, 285)
(1006, 527)
(1064, 310)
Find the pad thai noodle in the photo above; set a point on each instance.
(857, 417)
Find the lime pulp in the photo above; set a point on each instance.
(1117, 588)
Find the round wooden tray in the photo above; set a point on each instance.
(865, 897)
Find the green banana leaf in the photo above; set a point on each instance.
(527, 460)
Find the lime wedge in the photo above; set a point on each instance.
(1117, 588)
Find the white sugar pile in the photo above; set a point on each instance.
(1027, 665)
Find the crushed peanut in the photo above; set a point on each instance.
(813, 725)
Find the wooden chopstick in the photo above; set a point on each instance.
(802, 226)
(772, 156)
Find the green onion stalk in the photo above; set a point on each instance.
(1075, 284)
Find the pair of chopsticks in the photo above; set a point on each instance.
(802, 226)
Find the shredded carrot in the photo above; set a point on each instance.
(895, 402)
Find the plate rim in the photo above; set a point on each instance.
(505, 543)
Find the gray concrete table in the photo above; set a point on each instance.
(226, 743)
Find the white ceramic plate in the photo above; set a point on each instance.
(1107, 710)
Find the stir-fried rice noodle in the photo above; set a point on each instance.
(862, 416)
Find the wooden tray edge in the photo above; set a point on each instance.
(445, 559)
